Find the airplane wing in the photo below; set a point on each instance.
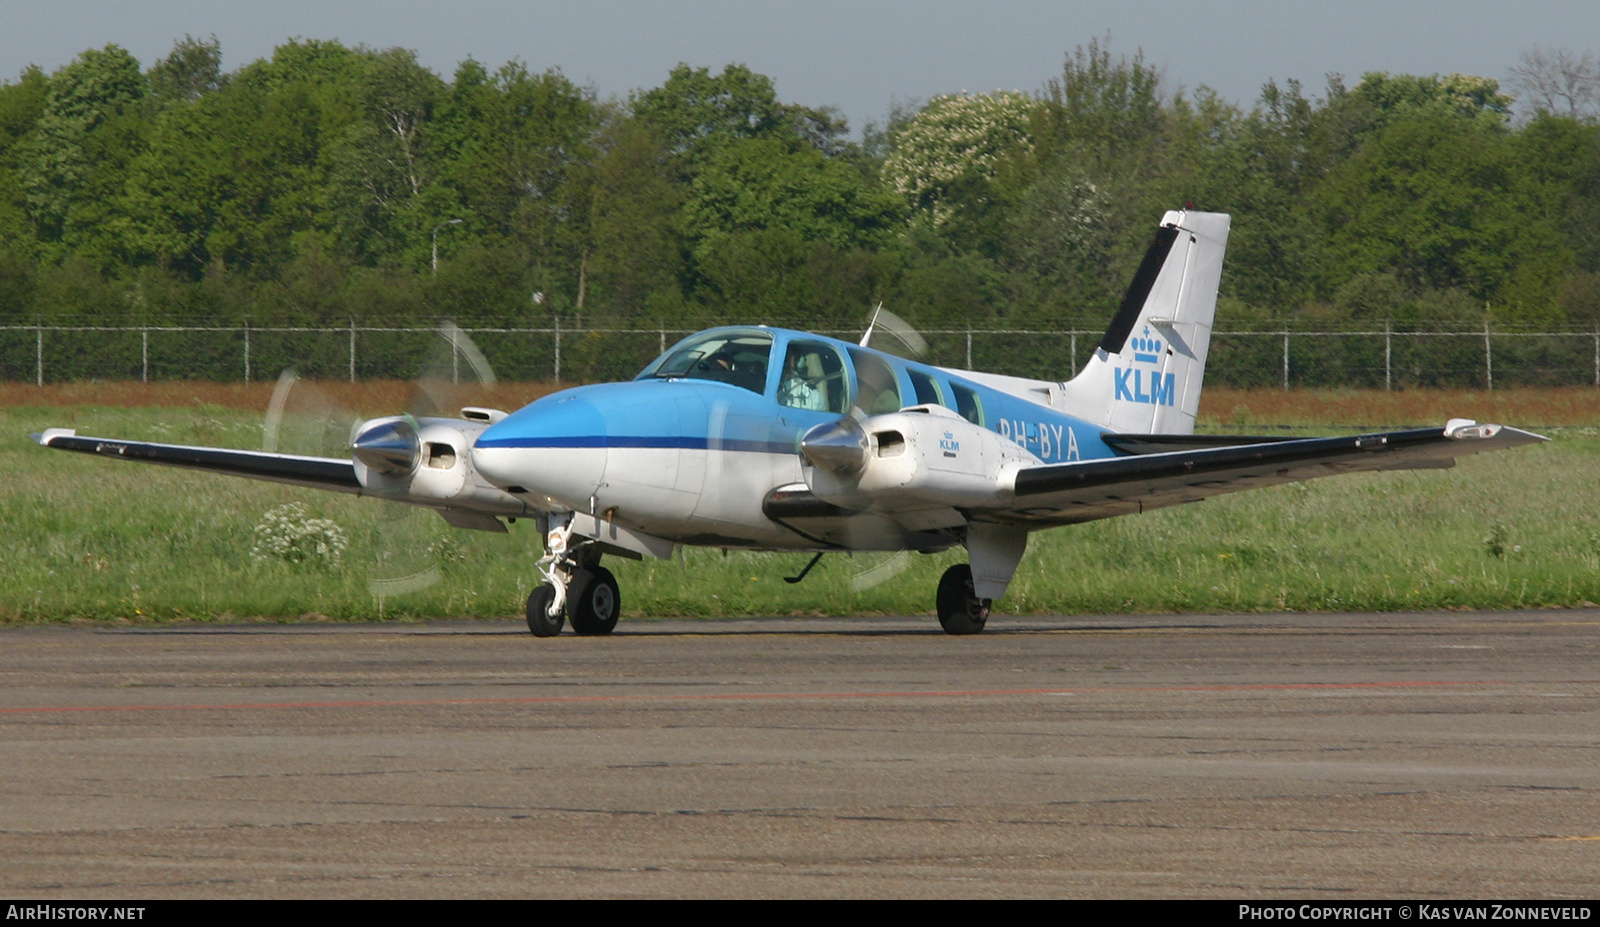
(468, 504)
(1163, 470)
(315, 472)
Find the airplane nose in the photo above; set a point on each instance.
(554, 449)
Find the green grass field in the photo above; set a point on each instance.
(102, 540)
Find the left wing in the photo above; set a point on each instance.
(1163, 470)
(315, 472)
(465, 502)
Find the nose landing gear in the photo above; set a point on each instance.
(575, 582)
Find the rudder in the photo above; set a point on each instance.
(1145, 375)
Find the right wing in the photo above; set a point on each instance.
(1164, 470)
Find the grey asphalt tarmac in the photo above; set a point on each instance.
(1425, 756)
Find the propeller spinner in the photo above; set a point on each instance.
(838, 447)
(390, 448)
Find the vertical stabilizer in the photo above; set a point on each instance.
(1145, 375)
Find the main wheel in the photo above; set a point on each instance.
(540, 621)
(960, 609)
(596, 601)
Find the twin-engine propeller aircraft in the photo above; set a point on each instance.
(766, 439)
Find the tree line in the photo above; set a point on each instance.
(331, 184)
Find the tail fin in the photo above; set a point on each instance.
(1144, 377)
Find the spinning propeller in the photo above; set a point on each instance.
(842, 448)
(304, 419)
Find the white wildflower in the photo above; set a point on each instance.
(290, 534)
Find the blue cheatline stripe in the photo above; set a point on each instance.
(651, 441)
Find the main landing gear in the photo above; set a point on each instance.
(575, 586)
(960, 609)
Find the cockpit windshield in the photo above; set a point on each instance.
(739, 357)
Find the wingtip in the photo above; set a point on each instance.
(1464, 429)
(50, 434)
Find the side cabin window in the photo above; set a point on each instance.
(736, 357)
(926, 388)
(813, 378)
(968, 406)
(877, 387)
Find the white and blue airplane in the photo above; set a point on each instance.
(761, 438)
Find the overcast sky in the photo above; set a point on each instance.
(859, 56)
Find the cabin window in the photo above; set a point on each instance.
(813, 378)
(877, 387)
(926, 388)
(968, 406)
(736, 357)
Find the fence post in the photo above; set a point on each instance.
(352, 350)
(969, 349)
(144, 355)
(1388, 356)
(455, 356)
(556, 323)
(1597, 357)
(1286, 360)
(1488, 359)
(247, 352)
(38, 354)
(1074, 366)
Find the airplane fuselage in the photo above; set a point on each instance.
(691, 456)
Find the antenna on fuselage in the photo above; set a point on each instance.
(867, 335)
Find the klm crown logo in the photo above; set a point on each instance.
(1146, 348)
(1160, 389)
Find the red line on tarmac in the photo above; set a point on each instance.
(746, 696)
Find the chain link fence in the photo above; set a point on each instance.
(1481, 358)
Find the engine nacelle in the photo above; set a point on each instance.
(926, 454)
(429, 460)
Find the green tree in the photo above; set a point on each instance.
(1439, 202)
(765, 207)
(1105, 110)
(535, 131)
(231, 183)
(696, 112)
(79, 150)
(1407, 96)
(634, 251)
(21, 105)
(383, 168)
(769, 183)
(190, 71)
(944, 159)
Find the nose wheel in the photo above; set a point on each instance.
(540, 621)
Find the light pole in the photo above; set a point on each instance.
(436, 243)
